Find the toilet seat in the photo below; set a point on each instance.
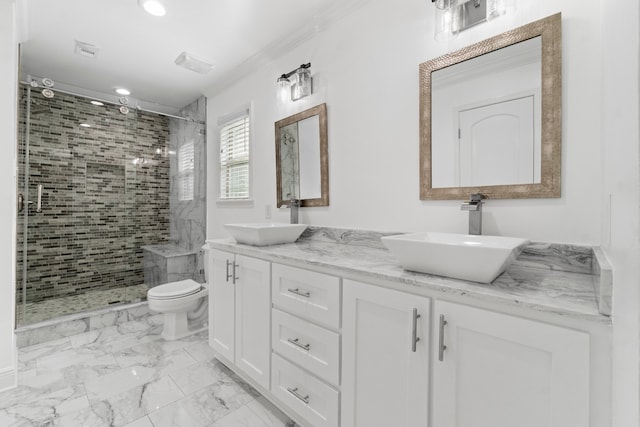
(174, 290)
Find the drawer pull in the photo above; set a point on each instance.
(297, 291)
(295, 392)
(296, 342)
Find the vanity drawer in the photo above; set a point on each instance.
(314, 296)
(312, 347)
(309, 397)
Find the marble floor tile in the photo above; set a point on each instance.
(243, 417)
(119, 382)
(141, 422)
(201, 350)
(126, 375)
(269, 413)
(137, 402)
(198, 376)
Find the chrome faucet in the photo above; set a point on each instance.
(474, 206)
(294, 204)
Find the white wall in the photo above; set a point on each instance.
(365, 67)
(8, 102)
(621, 198)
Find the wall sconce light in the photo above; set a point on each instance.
(453, 16)
(295, 84)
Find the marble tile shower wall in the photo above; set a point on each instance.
(98, 206)
(187, 213)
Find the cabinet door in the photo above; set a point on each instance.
(385, 381)
(221, 303)
(253, 314)
(503, 371)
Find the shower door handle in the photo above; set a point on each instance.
(20, 202)
(39, 200)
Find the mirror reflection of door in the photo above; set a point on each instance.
(309, 155)
(496, 143)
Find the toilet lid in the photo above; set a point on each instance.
(174, 289)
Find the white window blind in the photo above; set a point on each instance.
(186, 171)
(234, 158)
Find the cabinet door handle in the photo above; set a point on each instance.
(296, 342)
(441, 346)
(235, 266)
(297, 291)
(414, 330)
(297, 394)
(229, 276)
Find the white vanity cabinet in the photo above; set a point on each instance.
(332, 351)
(385, 357)
(240, 312)
(492, 369)
(306, 343)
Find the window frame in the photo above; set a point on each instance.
(244, 111)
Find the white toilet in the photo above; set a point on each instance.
(178, 301)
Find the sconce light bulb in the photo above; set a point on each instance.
(445, 4)
(284, 88)
(283, 81)
(301, 86)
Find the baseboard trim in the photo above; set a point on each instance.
(8, 378)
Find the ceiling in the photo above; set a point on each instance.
(138, 50)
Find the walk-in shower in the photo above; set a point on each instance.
(96, 186)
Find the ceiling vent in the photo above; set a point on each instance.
(86, 49)
(191, 62)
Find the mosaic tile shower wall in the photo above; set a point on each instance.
(105, 194)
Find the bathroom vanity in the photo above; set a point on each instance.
(335, 333)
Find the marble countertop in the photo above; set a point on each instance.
(558, 279)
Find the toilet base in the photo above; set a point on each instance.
(176, 326)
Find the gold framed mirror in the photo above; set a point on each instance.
(302, 170)
(468, 122)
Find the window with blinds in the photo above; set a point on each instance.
(234, 158)
(186, 171)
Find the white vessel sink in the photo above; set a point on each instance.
(461, 256)
(263, 234)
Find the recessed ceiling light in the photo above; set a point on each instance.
(98, 103)
(153, 7)
(85, 125)
(122, 91)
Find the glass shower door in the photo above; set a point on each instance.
(94, 186)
